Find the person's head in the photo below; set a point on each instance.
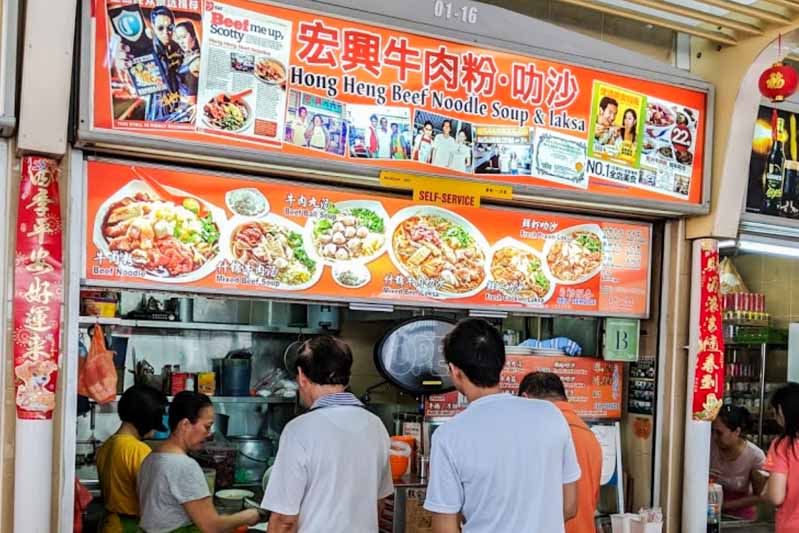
(394, 127)
(428, 128)
(143, 407)
(608, 107)
(384, 123)
(323, 363)
(462, 137)
(543, 386)
(729, 425)
(186, 36)
(446, 127)
(302, 112)
(475, 353)
(785, 402)
(191, 417)
(630, 120)
(317, 120)
(163, 22)
(373, 120)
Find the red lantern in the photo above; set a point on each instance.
(778, 82)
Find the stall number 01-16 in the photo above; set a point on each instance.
(445, 10)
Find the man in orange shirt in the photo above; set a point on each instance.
(547, 386)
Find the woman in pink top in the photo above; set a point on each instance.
(735, 463)
(783, 460)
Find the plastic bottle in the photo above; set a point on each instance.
(715, 497)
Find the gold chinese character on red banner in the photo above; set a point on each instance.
(712, 304)
(707, 382)
(38, 292)
(38, 264)
(709, 364)
(709, 344)
(37, 319)
(35, 348)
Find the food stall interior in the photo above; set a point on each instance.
(236, 350)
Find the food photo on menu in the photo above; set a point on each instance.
(316, 123)
(442, 141)
(442, 252)
(243, 82)
(379, 132)
(669, 146)
(163, 233)
(154, 63)
(503, 150)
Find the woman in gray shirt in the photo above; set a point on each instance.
(173, 494)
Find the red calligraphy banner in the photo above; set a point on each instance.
(37, 289)
(709, 371)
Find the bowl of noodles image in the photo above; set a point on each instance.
(440, 251)
(519, 271)
(575, 255)
(167, 241)
(272, 250)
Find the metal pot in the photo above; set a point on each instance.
(221, 423)
(253, 457)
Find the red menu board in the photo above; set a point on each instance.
(593, 386)
(183, 230)
(275, 80)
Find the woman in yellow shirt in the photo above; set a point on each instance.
(141, 409)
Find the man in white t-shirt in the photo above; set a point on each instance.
(443, 145)
(505, 464)
(332, 468)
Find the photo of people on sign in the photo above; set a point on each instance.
(503, 150)
(442, 141)
(315, 122)
(154, 65)
(379, 132)
(616, 130)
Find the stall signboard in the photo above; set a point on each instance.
(182, 230)
(269, 80)
(38, 290)
(708, 390)
(593, 386)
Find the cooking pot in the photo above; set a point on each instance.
(253, 457)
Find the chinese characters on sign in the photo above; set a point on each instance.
(37, 289)
(709, 371)
(271, 79)
(347, 245)
(593, 386)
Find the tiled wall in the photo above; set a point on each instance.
(778, 279)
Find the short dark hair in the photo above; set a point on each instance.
(542, 385)
(187, 404)
(476, 347)
(606, 101)
(144, 407)
(372, 117)
(426, 122)
(325, 360)
(734, 417)
(162, 11)
(446, 121)
(787, 399)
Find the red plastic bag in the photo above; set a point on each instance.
(82, 500)
(97, 376)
